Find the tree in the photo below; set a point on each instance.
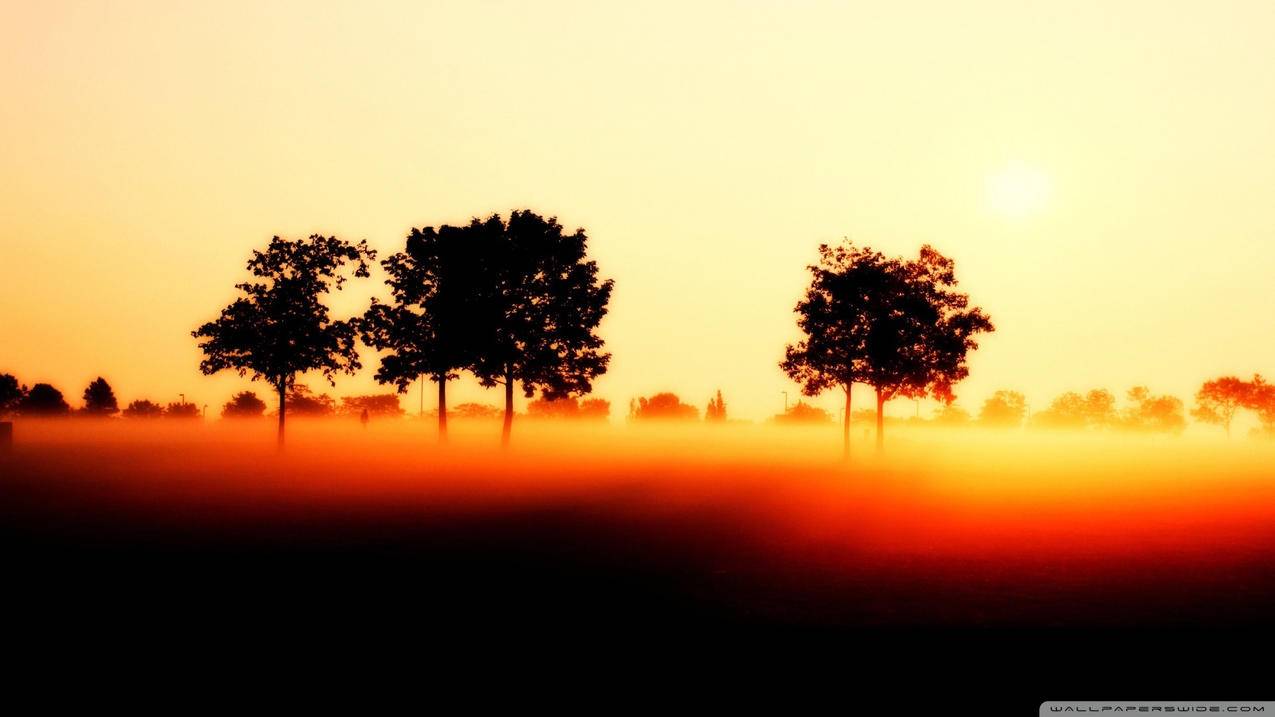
(952, 415)
(1218, 400)
(476, 410)
(280, 327)
(570, 408)
(538, 309)
(380, 404)
(143, 409)
(835, 316)
(803, 413)
(1096, 409)
(1005, 409)
(896, 325)
(99, 399)
(663, 407)
(11, 394)
(304, 402)
(181, 409)
(1148, 412)
(244, 404)
(432, 328)
(716, 411)
(43, 400)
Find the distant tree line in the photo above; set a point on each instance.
(516, 302)
(43, 400)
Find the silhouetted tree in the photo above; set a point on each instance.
(1005, 409)
(716, 411)
(304, 402)
(539, 310)
(803, 413)
(897, 325)
(1096, 409)
(181, 409)
(43, 400)
(11, 394)
(835, 317)
(280, 327)
(434, 325)
(244, 404)
(662, 406)
(380, 404)
(143, 409)
(99, 399)
(569, 408)
(1218, 400)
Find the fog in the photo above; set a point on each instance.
(1008, 527)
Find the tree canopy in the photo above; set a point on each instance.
(99, 399)
(897, 325)
(280, 327)
(435, 326)
(43, 400)
(244, 404)
(1219, 399)
(11, 393)
(1004, 409)
(539, 309)
(663, 407)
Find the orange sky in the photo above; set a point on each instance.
(146, 148)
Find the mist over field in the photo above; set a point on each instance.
(1014, 528)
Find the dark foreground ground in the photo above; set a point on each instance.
(178, 566)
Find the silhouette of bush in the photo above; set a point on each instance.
(802, 413)
(178, 409)
(99, 399)
(571, 408)
(11, 394)
(662, 407)
(43, 400)
(244, 405)
(143, 409)
(302, 401)
(379, 404)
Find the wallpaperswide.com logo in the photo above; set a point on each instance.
(1167, 707)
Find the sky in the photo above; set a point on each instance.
(1102, 173)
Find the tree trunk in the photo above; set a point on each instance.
(282, 388)
(442, 408)
(509, 405)
(845, 426)
(880, 420)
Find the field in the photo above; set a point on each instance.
(1010, 552)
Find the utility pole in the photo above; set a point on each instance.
(785, 401)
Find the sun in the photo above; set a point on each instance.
(1018, 190)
